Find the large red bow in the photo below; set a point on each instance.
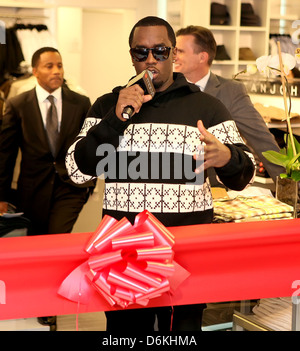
(128, 263)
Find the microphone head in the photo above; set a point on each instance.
(150, 74)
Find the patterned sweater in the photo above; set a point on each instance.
(148, 161)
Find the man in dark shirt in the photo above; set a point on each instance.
(169, 129)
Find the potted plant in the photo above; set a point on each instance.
(289, 156)
(287, 184)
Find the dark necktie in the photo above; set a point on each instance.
(52, 125)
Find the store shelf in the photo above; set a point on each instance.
(23, 4)
(284, 18)
(223, 28)
(243, 322)
(252, 29)
(263, 180)
(234, 36)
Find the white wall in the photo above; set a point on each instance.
(69, 40)
(93, 40)
(105, 58)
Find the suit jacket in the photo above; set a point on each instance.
(251, 125)
(23, 128)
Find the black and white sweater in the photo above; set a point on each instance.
(148, 160)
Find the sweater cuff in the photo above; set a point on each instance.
(233, 166)
(114, 122)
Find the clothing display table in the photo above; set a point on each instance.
(270, 314)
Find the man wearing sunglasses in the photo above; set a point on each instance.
(169, 126)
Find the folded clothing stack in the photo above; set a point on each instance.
(274, 114)
(9, 224)
(274, 313)
(252, 208)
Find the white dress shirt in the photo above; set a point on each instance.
(44, 103)
(203, 81)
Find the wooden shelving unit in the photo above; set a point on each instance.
(272, 14)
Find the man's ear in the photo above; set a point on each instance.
(34, 71)
(203, 57)
(132, 61)
(174, 54)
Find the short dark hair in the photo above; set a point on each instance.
(154, 21)
(204, 38)
(36, 56)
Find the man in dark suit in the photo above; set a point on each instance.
(45, 193)
(196, 50)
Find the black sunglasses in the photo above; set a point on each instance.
(160, 53)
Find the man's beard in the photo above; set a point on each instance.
(158, 84)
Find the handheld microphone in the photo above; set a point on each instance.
(144, 80)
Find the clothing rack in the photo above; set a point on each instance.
(286, 43)
(22, 40)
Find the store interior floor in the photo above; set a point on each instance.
(215, 317)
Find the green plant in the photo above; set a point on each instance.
(287, 158)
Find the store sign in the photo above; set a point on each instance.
(270, 87)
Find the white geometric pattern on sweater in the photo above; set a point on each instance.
(88, 123)
(74, 173)
(157, 198)
(156, 137)
(174, 138)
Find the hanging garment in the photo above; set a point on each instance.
(32, 38)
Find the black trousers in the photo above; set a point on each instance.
(182, 318)
(64, 207)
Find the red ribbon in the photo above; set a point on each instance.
(128, 263)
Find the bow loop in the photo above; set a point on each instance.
(128, 264)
